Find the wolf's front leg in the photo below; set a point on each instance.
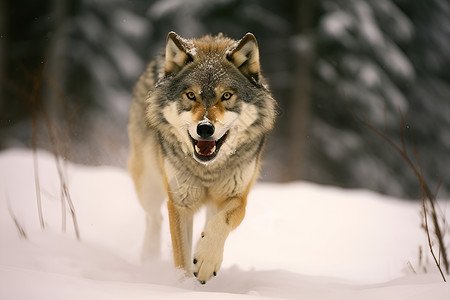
(209, 255)
(181, 221)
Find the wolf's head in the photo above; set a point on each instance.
(211, 97)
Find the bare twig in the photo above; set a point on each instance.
(59, 150)
(427, 230)
(411, 267)
(63, 212)
(61, 175)
(34, 102)
(36, 176)
(426, 192)
(19, 227)
(436, 191)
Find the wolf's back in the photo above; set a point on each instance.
(145, 82)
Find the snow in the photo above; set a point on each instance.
(337, 23)
(298, 241)
(369, 74)
(369, 29)
(131, 24)
(400, 26)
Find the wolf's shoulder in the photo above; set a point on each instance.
(148, 78)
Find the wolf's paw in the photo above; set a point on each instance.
(208, 258)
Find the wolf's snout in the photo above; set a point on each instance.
(205, 130)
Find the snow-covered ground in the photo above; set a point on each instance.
(298, 241)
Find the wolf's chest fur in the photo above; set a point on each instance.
(191, 190)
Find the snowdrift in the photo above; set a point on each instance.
(298, 241)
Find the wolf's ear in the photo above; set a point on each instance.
(176, 53)
(245, 56)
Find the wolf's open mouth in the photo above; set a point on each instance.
(206, 150)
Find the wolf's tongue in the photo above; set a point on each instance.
(205, 147)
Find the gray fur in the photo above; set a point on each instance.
(209, 65)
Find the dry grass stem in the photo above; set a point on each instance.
(19, 227)
(428, 198)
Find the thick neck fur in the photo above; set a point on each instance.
(215, 170)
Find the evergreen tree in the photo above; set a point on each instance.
(359, 67)
(322, 58)
(429, 94)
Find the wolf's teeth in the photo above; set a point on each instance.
(213, 149)
(197, 149)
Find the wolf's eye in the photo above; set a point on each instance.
(226, 96)
(190, 95)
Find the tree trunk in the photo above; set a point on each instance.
(3, 38)
(299, 104)
(54, 101)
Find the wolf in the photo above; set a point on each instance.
(199, 119)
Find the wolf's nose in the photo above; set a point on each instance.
(205, 130)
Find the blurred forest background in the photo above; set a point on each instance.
(67, 69)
